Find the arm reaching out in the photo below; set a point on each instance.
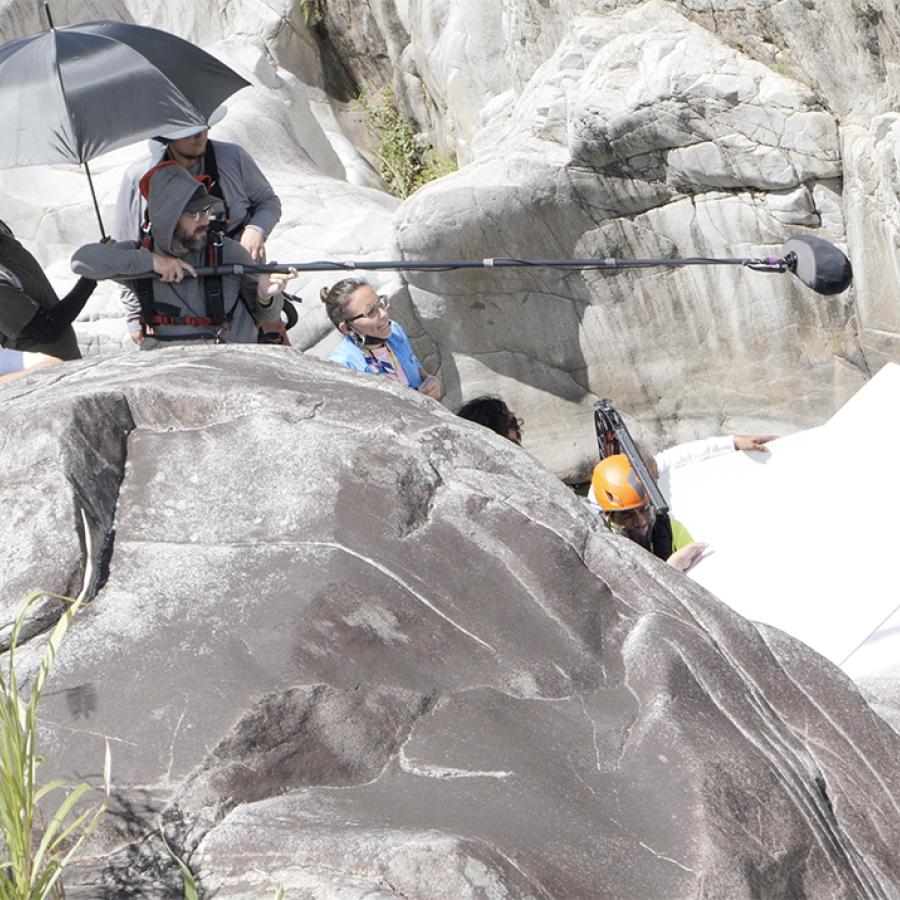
(49, 324)
(749, 442)
(431, 387)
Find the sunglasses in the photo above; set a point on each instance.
(381, 303)
(631, 517)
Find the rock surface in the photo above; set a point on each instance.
(344, 642)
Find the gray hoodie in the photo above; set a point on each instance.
(171, 189)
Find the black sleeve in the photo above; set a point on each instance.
(49, 324)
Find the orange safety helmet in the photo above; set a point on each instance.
(616, 486)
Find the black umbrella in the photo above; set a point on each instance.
(70, 94)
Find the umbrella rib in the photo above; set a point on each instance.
(62, 90)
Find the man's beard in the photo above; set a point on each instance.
(196, 242)
(644, 538)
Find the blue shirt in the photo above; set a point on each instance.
(347, 353)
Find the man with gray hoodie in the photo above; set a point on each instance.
(179, 306)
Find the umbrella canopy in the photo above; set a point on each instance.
(70, 94)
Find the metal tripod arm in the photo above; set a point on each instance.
(607, 417)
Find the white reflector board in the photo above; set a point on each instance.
(804, 537)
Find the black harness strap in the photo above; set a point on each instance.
(154, 313)
(211, 168)
(215, 298)
(143, 290)
(661, 537)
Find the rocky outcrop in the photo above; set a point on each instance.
(656, 129)
(349, 644)
(643, 135)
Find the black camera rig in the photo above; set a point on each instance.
(613, 437)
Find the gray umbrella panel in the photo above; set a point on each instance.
(69, 94)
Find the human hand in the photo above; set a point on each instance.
(254, 242)
(758, 442)
(272, 283)
(687, 557)
(171, 268)
(431, 387)
(137, 336)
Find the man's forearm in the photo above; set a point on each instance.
(269, 308)
(101, 261)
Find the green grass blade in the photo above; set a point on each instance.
(21, 876)
(57, 821)
(187, 877)
(48, 789)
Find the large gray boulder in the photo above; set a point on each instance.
(343, 642)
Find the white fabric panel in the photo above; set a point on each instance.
(804, 537)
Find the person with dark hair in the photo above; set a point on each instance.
(251, 205)
(35, 325)
(372, 341)
(493, 413)
(248, 207)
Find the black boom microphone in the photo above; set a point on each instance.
(815, 261)
(818, 264)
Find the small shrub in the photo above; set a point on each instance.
(26, 872)
(313, 11)
(404, 162)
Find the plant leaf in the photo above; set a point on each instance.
(187, 877)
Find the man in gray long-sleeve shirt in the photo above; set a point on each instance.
(252, 207)
(175, 307)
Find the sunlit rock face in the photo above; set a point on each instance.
(661, 130)
(345, 643)
(627, 130)
(645, 136)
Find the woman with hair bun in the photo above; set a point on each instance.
(372, 342)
